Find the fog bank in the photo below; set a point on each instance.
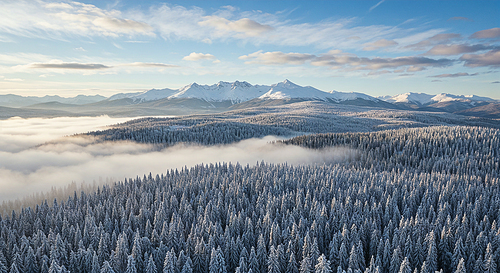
(25, 169)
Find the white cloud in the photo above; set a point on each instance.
(198, 56)
(172, 22)
(487, 33)
(376, 5)
(276, 57)
(441, 38)
(13, 80)
(140, 64)
(60, 20)
(79, 66)
(245, 26)
(382, 43)
(336, 59)
(491, 58)
(457, 49)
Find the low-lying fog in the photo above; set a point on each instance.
(26, 168)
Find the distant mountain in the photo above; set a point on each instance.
(425, 99)
(235, 92)
(470, 105)
(238, 92)
(11, 100)
(223, 96)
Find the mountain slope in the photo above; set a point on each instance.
(11, 100)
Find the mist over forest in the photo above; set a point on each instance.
(303, 187)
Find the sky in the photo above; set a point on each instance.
(379, 48)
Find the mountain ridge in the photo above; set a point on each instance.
(222, 96)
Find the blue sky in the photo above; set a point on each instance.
(375, 47)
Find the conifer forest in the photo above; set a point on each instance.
(421, 194)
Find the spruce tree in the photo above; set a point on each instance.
(323, 265)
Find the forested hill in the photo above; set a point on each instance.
(419, 200)
(443, 149)
(284, 120)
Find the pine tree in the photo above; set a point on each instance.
(95, 264)
(169, 264)
(431, 260)
(131, 268)
(30, 264)
(323, 265)
(292, 265)
(479, 266)
(273, 265)
(54, 267)
(253, 263)
(396, 261)
(405, 266)
(343, 256)
(461, 266)
(242, 266)
(424, 268)
(217, 262)
(306, 265)
(13, 268)
(490, 265)
(356, 258)
(151, 266)
(121, 253)
(3, 268)
(188, 266)
(106, 268)
(458, 252)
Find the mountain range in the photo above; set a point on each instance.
(196, 98)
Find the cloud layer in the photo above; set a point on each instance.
(336, 59)
(27, 170)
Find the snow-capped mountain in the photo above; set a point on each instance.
(443, 97)
(235, 92)
(424, 99)
(222, 91)
(289, 90)
(344, 96)
(415, 98)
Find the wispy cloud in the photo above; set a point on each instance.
(382, 43)
(455, 75)
(198, 56)
(460, 18)
(173, 22)
(60, 20)
(69, 66)
(277, 57)
(486, 34)
(457, 49)
(245, 26)
(139, 64)
(441, 38)
(490, 58)
(376, 5)
(336, 59)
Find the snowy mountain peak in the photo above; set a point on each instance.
(286, 84)
(423, 99)
(240, 91)
(240, 84)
